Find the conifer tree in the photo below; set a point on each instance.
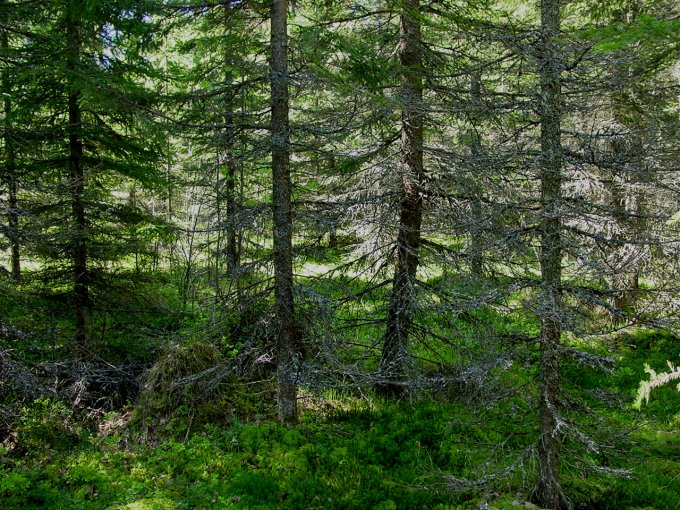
(286, 356)
(10, 171)
(551, 180)
(403, 297)
(85, 101)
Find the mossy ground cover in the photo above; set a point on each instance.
(351, 453)
(356, 459)
(350, 450)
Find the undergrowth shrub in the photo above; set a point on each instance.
(179, 384)
(45, 425)
(195, 384)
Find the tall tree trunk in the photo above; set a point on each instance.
(286, 355)
(550, 493)
(476, 239)
(233, 168)
(231, 196)
(13, 216)
(77, 183)
(10, 168)
(218, 221)
(403, 298)
(233, 261)
(228, 191)
(333, 219)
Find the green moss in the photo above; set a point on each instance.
(350, 453)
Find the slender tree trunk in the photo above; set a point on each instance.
(231, 195)
(476, 241)
(403, 298)
(226, 192)
(10, 162)
(77, 184)
(13, 216)
(550, 493)
(286, 357)
(168, 163)
(232, 251)
(333, 220)
(218, 219)
(232, 233)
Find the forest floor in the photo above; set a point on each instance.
(353, 451)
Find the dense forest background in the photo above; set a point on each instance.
(332, 254)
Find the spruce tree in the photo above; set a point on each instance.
(85, 105)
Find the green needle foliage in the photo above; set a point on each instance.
(479, 205)
(88, 146)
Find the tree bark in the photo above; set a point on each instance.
(228, 191)
(403, 298)
(77, 183)
(550, 493)
(13, 217)
(233, 169)
(10, 172)
(333, 216)
(476, 241)
(232, 251)
(286, 357)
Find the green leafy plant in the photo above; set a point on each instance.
(47, 424)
